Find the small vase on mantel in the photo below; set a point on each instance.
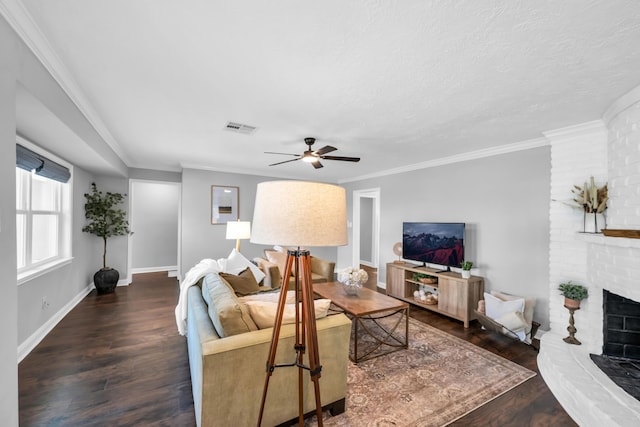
(594, 222)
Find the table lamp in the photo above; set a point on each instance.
(238, 230)
(299, 214)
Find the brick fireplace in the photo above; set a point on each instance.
(609, 150)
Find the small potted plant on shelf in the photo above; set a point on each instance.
(573, 293)
(466, 269)
(105, 219)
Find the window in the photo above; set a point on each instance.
(43, 221)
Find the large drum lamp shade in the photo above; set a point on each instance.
(299, 213)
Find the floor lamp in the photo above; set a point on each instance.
(299, 214)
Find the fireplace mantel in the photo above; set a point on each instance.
(601, 239)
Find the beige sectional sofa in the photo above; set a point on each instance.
(228, 373)
(321, 271)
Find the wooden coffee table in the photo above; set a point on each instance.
(366, 310)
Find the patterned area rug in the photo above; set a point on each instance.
(437, 380)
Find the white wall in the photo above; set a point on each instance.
(154, 221)
(366, 230)
(504, 201)
(8, 290)
(200, 239)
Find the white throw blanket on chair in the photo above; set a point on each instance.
(200, 270)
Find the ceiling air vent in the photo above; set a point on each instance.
(240, 128)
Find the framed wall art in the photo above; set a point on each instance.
(224, 204)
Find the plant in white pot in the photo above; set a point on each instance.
(105, 219)
(466, 269)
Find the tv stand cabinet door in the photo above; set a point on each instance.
(395, 281)
(452, 298)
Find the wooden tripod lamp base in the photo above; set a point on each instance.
(306, 332)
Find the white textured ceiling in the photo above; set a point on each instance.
(393, 82)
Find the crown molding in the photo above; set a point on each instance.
(472, 155)
(581, 130)
(26, 28)
(621, 104)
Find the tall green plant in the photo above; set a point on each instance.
(104, 218)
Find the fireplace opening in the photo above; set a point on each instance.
(620, 358)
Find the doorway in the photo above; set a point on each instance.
(366, 233)
(154, 221)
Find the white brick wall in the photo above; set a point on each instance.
(577, 153)
(596, 261)
(624, 169)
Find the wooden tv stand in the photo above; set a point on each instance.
(457, 297)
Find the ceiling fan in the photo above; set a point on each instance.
(313, 157)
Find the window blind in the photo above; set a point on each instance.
(30, 160)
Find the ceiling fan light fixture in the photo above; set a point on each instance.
(309, 158)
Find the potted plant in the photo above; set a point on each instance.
(466, 269)
(573, 294)
(592, 200)
(105, 219)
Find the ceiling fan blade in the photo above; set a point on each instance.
(284, 154)
(316, 164)
(326, 149)
(344, 159)
(286, 161)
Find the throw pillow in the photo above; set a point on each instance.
(496, 307)
(263, 313)
(269, 296)
(243, 284)
(529, 305)
(228, 315)
(514, 321)
(277, 258)
(236, 262)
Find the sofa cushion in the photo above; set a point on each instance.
(263, 313)
(278, 258)
(228, 315)
(236, 262)
(243, 283)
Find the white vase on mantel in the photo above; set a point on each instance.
(594, 223)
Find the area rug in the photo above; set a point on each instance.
(437, 380)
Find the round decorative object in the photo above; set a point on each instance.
(352, 287)
(106, 280)
(397, 249)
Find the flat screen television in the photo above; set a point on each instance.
(440, 243)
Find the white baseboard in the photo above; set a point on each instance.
(154, 269)
(30, 343)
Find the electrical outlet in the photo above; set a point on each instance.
(45, 303)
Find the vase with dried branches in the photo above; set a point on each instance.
(592, 200)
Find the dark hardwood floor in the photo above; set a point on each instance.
(117, 360)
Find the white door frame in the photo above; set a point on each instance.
(372, 193)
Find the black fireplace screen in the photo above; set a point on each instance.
(621, 327)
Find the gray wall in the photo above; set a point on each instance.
(9, 49)
(200, 239)
(154, 221)
(504, 200)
